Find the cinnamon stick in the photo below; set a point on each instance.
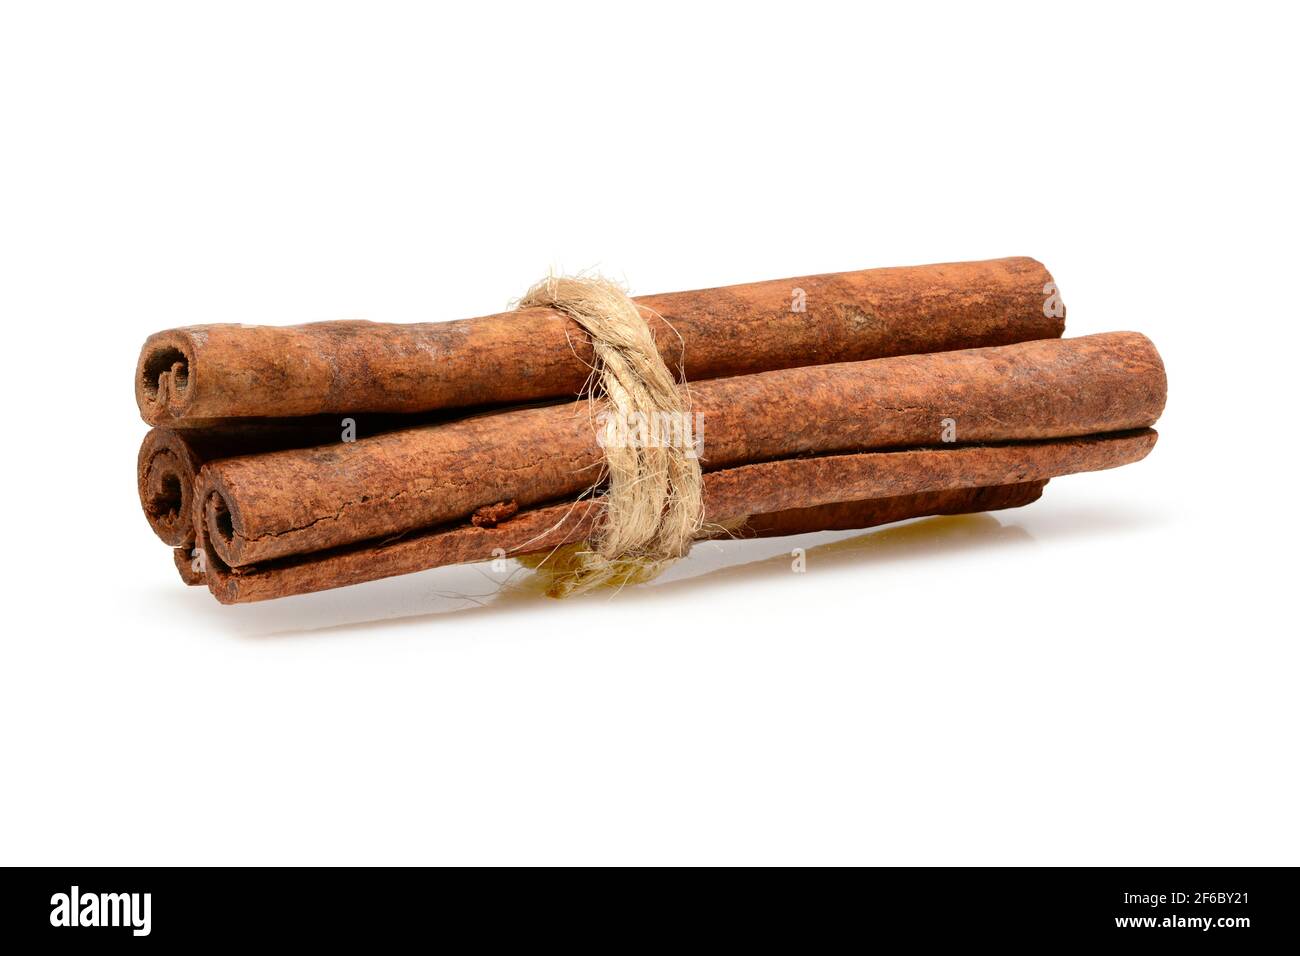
(871, 512)
(729, 495)
(295, 502)
(165, 470)
(203, 374)
(185, 559)
(170, 458)
(835, 516)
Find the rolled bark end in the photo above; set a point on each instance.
(162, 378)
(165, 481)
(219, 523)
(166, 499)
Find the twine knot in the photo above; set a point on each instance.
(653, 504)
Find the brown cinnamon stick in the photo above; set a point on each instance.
(835, 516)
(296, 502)
(165, 470)
(871, 512)
(729, 495)
(188, 560)
(169, 458)
(323, 572)
(201, 374)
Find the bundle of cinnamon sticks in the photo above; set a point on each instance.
(285, 460)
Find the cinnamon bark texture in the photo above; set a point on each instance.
(202, 374)
(451, 546)
(859, 515)
(271, 506)
(730, 495)
(165, 470)
(170, 458)
(185, 566)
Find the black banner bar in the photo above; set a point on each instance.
(1221, 907)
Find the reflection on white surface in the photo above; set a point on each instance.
(477, 589)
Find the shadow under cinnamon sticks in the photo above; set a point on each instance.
(875, 480)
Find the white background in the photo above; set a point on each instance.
(1105, 677)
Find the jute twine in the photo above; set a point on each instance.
(653, 505)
